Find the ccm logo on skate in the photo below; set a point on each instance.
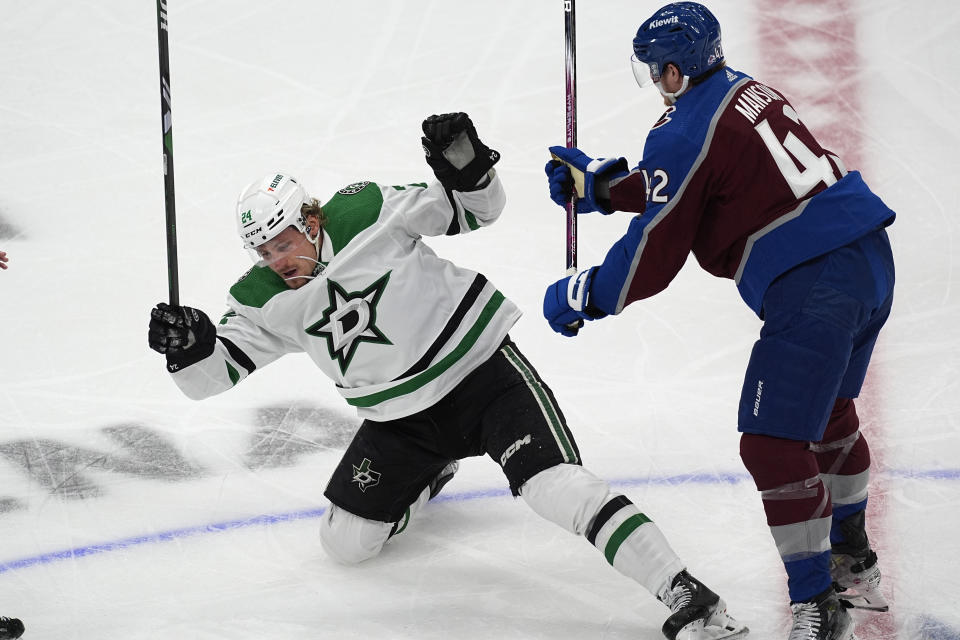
(512, 449)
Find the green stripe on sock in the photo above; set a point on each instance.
(233, 374)
(629, 525)
(471, 220)
(406, 521)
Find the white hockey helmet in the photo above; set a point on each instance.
(268, 206)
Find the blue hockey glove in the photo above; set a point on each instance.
(567, 302)
(561, 185)
(590, 178)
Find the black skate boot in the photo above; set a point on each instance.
(853, 566)
(698, 613)
(822, 618)
(445, 476)
(10, 628)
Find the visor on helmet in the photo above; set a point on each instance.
(282, 246)
(646, 74)
(287, 255)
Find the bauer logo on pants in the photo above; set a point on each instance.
(364, 476)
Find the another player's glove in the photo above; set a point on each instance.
(561, 185)
(184, 334)
(458, 158)
(571, 169)
(567, 302)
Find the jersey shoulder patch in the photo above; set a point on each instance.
(257, 286)
(354, 188)
(350, 211)
(665, 118)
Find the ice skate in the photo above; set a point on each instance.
(857, 580)
(854, 568)
(822, 618)
(10, 628)
(698, 613)
(445, 476)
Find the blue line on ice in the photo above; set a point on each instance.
(162, 536)
(276, 518)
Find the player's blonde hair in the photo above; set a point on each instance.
(312, 208)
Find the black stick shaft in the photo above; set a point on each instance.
(167, 122)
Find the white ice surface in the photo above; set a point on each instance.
(221, 540)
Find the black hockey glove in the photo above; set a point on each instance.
(457, 156)
(183, 334)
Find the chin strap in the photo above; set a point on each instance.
(672, 97)
(318, 267)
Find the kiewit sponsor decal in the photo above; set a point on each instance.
(664, 22)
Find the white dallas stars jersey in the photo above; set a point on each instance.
(392, 324)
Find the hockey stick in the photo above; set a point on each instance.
(570, 36)
(167, 122)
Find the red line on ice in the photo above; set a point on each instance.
(808, 49)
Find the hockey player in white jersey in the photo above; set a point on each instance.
(420, 347)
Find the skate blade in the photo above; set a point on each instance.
(729, 630)
(857, 601)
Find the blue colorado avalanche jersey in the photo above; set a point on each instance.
(732, 174)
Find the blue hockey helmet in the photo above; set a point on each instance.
(684, 33)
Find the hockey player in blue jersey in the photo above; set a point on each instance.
(731, 174)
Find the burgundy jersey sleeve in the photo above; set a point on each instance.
(729, 160)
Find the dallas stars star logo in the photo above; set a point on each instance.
(364, 476)
(349, 320)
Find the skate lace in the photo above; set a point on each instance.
(806, 621)
(680, 596)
